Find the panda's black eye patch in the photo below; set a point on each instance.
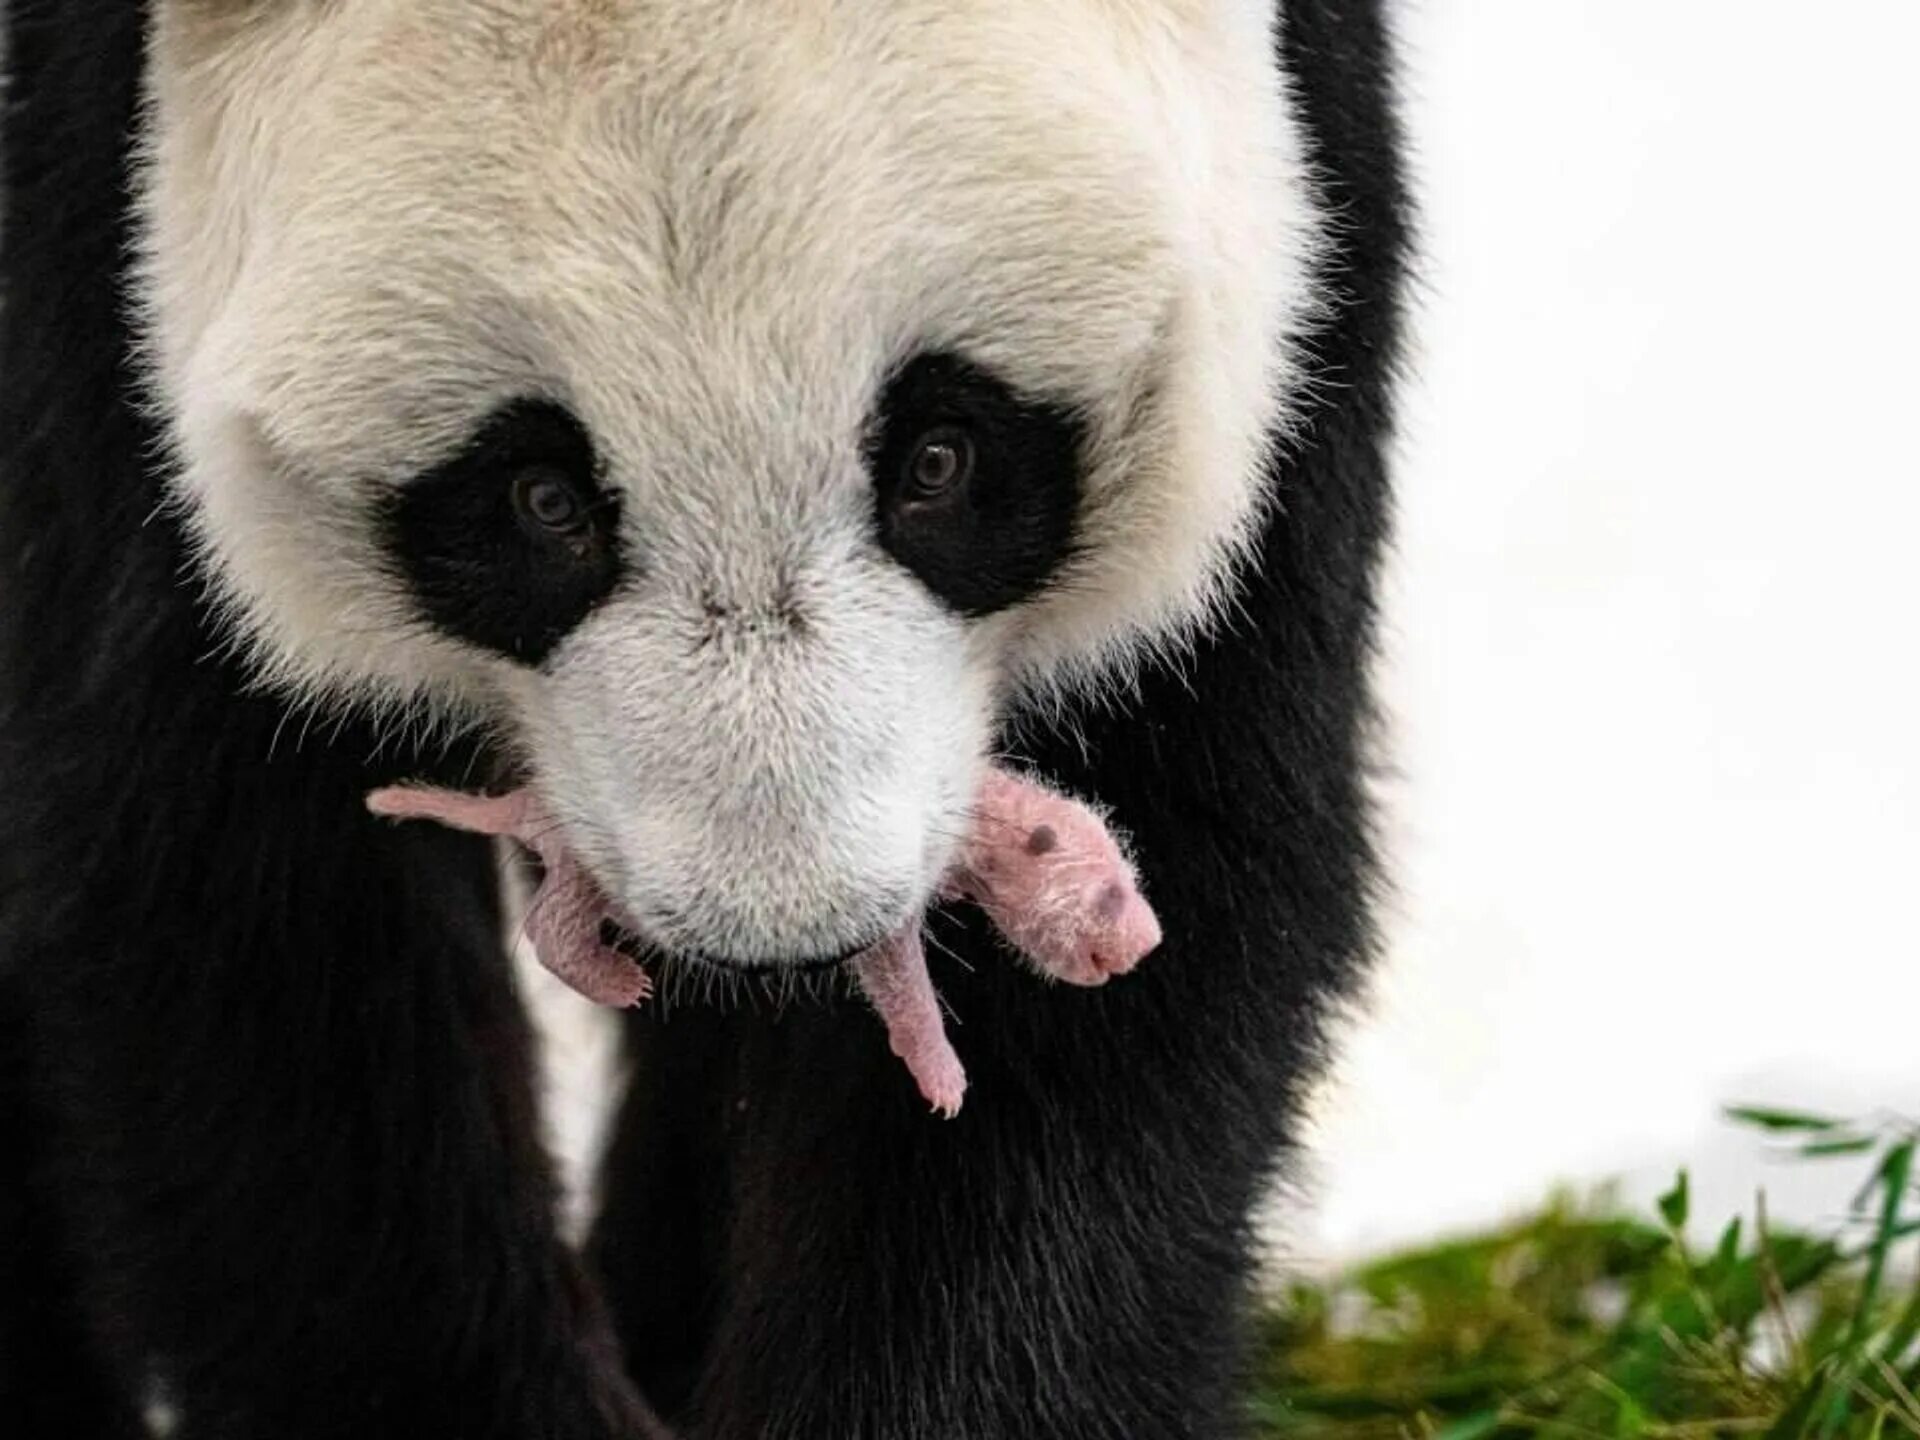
(509, 543)
(976, 489)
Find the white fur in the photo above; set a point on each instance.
(711, 229)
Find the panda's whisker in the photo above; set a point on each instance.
(934, 942)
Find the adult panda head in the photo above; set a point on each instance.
(735, 406)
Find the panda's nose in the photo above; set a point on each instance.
(777, 611)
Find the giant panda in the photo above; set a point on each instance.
(746, 421)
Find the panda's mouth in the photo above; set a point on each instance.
(1043, 867)
(616, 936)
(577, 930)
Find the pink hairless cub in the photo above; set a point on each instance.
(1043, 867)
(1051, 878)
(1048, 873)
(563, 922)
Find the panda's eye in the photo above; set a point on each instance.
(976, 487)
(510, 542)
(941, 462)
(546, 500)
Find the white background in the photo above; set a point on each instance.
(1652, 668)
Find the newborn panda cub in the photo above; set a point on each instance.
(1043, 867)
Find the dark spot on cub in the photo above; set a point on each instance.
(1042, 840)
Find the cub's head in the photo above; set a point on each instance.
(737, 406)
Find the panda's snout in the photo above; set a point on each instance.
(783, 791)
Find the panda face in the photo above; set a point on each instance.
(735, 405)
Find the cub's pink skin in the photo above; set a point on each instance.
(893, 976)
(1052, 879)
(563, 919)
(1043, 867)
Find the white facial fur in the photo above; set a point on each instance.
(711, 230)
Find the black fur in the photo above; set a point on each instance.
(265, 1081)
(479, 566)
(994, 537)
(275, 1078)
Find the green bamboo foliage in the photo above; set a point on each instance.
(1582, 1324)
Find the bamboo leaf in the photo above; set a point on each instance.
(1843, 1145)
(1471, 1427)
(1765, 1118)
(1674, 1204)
